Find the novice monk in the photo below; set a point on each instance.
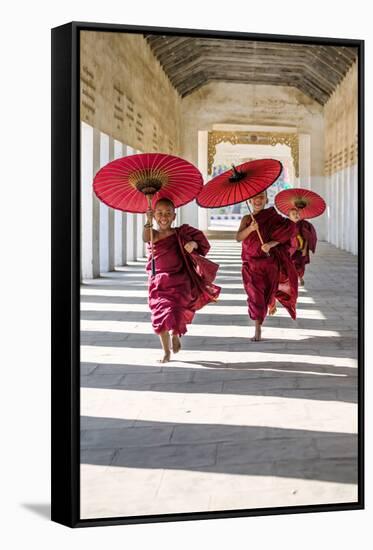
(176, 291)
(304, 241)
(267, 271)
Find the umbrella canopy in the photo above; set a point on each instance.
(240, 183)
(126, 182)
(308, 203)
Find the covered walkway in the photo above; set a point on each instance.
(228, 423)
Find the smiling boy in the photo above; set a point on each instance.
(267, 271)
(174, 296)
(304, 240)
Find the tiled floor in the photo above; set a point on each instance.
(228, 423)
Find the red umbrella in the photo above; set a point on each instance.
(240, 184)
(127, 183)
(135, 183)
(308, 203)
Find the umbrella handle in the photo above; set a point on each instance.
(253, 219)
(149, 197)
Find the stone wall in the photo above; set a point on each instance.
(126, 94)
(341, 153)
(261, 105)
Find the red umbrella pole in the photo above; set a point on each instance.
(149, 197)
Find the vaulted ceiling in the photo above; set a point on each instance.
(191, 62)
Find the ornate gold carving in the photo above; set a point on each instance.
(253, 138)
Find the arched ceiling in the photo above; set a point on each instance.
(191, 62)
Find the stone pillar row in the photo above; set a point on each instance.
(342, 200)
(109, 238)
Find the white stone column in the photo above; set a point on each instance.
(140, 243)
(330, 209)
(140, 221)
(346, 207)
(319, 184)
(130, 225)
(134, 233)
(189, 214)
(203, 213)
(86, 205)
(118, 216)
(124, 238)
(124, 221)
(335, 199)
(344, 213)
(130, 237)
(177, 222)
(111, 217)
(96, 208)
(305, 160)
(327, 210)
(340, 209)
(315, 182)
(354, 185)
(104, 210)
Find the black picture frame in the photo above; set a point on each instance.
(65, 206)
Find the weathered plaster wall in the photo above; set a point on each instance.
(341, 153)
(229, 103)
(126, 94)
(341, 125)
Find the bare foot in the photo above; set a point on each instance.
(165, 358)
(176, 344)
(258, 333)
(165, 341)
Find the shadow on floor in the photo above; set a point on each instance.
(227, 449)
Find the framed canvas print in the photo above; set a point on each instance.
(207, 276)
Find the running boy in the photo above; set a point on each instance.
(267, 271)
(176, 291)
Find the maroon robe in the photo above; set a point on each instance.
(179, 288)
(269, 277)
(308, 233)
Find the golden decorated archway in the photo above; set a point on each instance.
(253, 138)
